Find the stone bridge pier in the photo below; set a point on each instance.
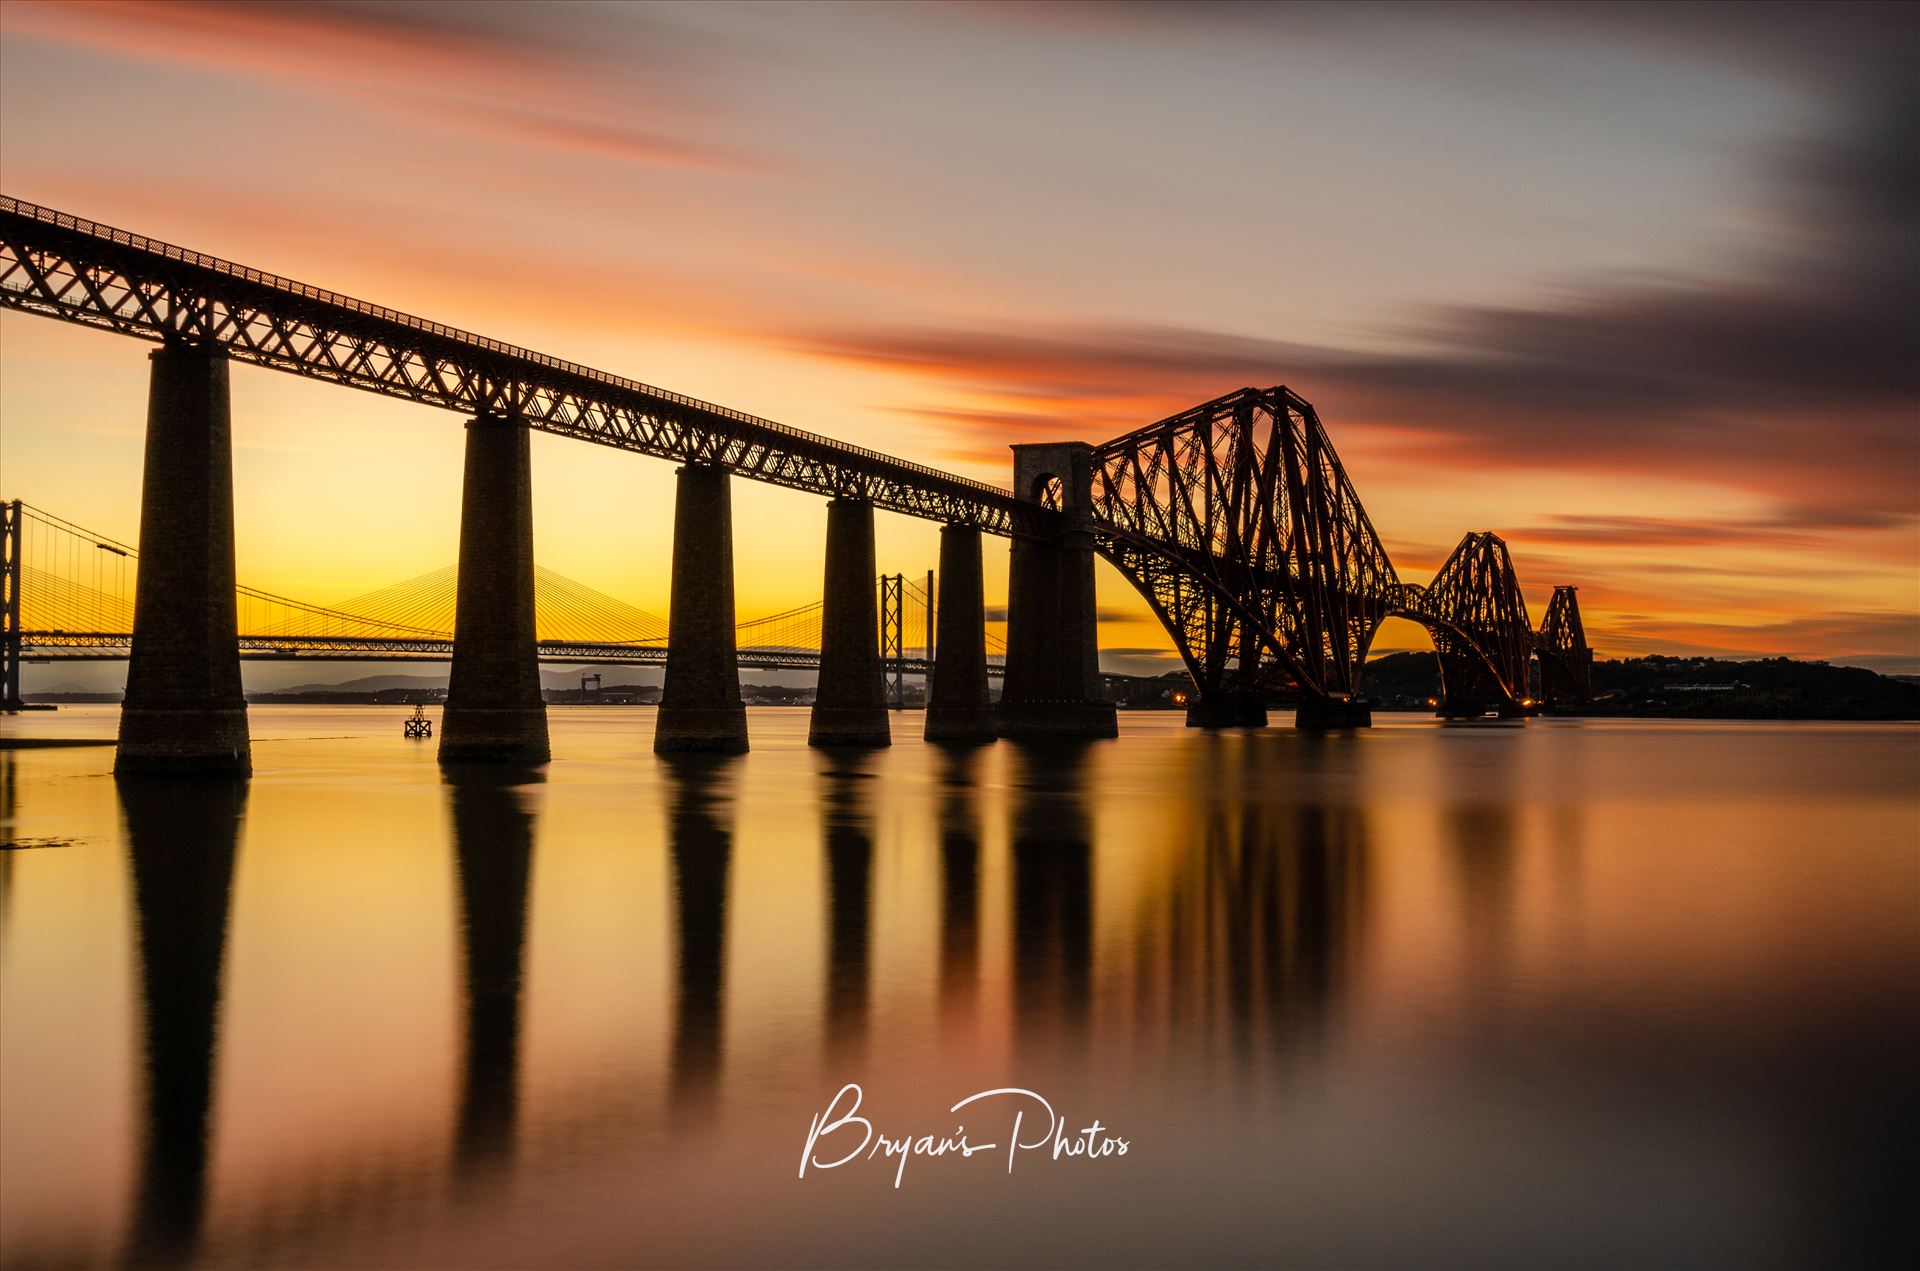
(700, 706)
(850, 706)
(1053, 686)
(184, 711)
(958, 706)
(494, 712)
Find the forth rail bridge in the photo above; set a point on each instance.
(1235, 520)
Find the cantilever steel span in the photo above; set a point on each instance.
(68, 267)
(1238, 523)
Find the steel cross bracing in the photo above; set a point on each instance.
(67, 267)
(1566, 663)
(1238, 523)
(1477, 616)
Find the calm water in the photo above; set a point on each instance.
(1561, 993)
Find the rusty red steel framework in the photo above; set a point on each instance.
(1235, 519)
(1477, 617)
(1566, 662)
(1238, 523)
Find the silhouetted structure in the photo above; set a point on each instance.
(1566, 663)
(184, 710)
(957, 815)
(1053, 687)
(1477, 617)
(1238, 523)
(182, 839)
(1052, 888)
(1235, 519)
(493, 845)
(700, 843)
(958, 707)
(847, 838)
(495, 713)
(849, 706)
(700, 706)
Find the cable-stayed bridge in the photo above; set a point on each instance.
(1235, 520)
(76, 592)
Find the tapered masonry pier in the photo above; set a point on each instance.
(184, 710)
(494, 711)
(1052, 686)
(700, 706)
(849, 707)
(958, 707)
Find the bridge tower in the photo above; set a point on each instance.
(12, 561)
(184, 709)
(1560, 648)
(1477, 617)
(494, 711)
(1053, 686)
(893, 638)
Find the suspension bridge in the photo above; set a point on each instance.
(76, 589)
(1235, 520)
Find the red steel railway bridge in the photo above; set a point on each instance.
(1234, 519)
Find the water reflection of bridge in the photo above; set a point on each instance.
(1247, 947)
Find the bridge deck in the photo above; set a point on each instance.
(73, 269)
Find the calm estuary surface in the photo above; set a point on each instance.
(1573, 992)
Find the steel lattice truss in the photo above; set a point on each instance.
(1478, 619)
(67, 267)
(1239, 524)
(1566, 663)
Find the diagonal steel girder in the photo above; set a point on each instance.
(1474, 609)
(1239, 524)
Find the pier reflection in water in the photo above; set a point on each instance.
(493, 853)
(181, 839)
(957, 817)
(847, 840)
(700, 843)
(1052, 892)
(1582, 993)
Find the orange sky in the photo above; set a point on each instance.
(1635, 292)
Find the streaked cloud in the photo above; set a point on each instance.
(463, 68)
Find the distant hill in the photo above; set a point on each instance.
(1691, 688)
(371, 684)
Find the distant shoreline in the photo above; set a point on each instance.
(1279, 710)
(1655, 687)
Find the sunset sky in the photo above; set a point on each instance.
(1635, 287)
